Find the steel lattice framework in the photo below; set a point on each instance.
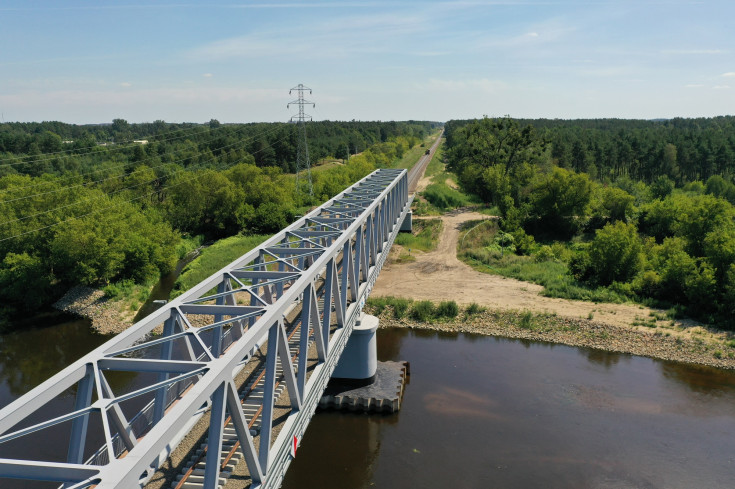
(315, 274)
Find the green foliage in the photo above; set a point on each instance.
(424, 237)
(474, 308)
(559, 202)
(447, 309)
(444, 198)
(213, 258)
(123, 288)
(24, 281)
(615, 254)
(422, 311)
(611, 204)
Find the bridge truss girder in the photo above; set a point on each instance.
(332, 254)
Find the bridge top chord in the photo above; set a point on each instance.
(187, 352)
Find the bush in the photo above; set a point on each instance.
(647, 284)
(400, 307)
(543, 254)
(422, 311)
(122, 288)
(443, 197)
(474, 308)
(526, 321)
(447, 309)
(615, 253)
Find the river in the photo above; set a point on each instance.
(482, 412)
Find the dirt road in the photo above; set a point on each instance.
(439, 275)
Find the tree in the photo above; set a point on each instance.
(615, 254)
(559, 201)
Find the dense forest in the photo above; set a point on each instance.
(99, 204)
(642, 209)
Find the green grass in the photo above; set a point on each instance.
(411, 156)
(443, 197)
(213, 258)
(436, 165)
(189, 244)
(424, 237)
(553, 275)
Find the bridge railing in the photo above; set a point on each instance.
(332, 254)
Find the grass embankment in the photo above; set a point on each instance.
(214, 258)
(424, 237)
(487, 249)
(412, 156)
(442, 194)
(717, 350)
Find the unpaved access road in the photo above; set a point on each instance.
(439, 275)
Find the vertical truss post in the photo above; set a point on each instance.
(345, 273)
(306, 306)
(160, 403)
(214, 444)
(266, 420)
(217, 330)
(75, 454)
(328, 296)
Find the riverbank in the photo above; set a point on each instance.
(108, 316)
(698, 349)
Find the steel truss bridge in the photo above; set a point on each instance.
(312, 279)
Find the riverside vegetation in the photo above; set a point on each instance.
(114, 206)
(605, 210)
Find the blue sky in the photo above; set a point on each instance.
(92, 61)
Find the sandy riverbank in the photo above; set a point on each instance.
(107, 316)
(655, 343)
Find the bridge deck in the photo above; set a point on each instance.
(209, 334)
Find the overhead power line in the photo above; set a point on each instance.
(302, 155)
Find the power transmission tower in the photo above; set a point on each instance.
(302, 155)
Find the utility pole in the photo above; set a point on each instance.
(302, 155)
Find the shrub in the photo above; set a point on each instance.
(474, 308)
(400, 307)
(543, 254)
(526, 321)
(422, 311)
(447, 309)
(615, 253)
(122, 288)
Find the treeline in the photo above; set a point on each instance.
(667, 238)
(683, 149)
(58, 148)
(96, 215)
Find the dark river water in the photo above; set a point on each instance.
(481, 412)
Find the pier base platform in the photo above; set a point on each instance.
(382, 395)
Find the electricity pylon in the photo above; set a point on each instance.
(302, 155)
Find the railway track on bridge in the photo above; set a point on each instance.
(206, 339)
(191, 475)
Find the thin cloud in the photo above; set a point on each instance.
(479, 84)
(693, 51)
(207, 75)
(729, 74)
(721, 87)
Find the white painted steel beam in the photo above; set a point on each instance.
(332, 254)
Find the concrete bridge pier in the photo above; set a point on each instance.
(359, 361)
(360, 382)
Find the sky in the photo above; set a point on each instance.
(235, 61)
